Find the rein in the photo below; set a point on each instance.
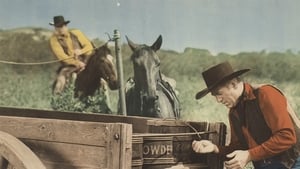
(37, 63)
(46, 62)
(164, 87)
(51, 61)
(34, 63)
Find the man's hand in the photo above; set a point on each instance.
(238, 159)
(77, 52)
(80, 66)
(204, 146)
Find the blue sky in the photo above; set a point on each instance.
(230, 26)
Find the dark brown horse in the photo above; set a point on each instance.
(148, 94)
(99, 67)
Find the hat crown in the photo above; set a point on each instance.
(217, 73)
(59, 21)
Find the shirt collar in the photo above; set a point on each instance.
(62, 36)
(248, 92)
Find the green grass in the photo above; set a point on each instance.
(30, 90)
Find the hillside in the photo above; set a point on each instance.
(30, 86)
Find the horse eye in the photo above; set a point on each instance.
(158, 64)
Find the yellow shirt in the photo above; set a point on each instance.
(87, 47)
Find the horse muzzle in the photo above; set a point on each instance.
(150, 106)
(114, 85)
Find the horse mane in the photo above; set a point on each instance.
(94, 62)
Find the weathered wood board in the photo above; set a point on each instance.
(66, 144)
(139, 124)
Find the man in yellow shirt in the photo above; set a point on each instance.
(72, 47)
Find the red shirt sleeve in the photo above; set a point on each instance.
(274, 108)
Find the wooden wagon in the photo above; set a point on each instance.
(41, 139)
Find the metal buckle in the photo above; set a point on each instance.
(266, 161)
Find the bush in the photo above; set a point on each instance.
(67, 102)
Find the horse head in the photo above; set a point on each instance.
(146, 65)
(105, 67)
(100, 66)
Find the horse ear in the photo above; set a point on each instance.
(132, 45)
(157, 44)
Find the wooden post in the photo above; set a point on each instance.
(120, 72)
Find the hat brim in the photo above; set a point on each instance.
(204, 92)
(60, 24)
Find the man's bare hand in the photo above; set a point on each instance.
(81, 66)
(77, 52)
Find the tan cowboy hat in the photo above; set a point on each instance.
(59, 21)
(216, 75)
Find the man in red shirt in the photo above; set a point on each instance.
(262, 130)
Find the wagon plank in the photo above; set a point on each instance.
(69, 156)
(67, 144)
(89, 133)
(138, 123)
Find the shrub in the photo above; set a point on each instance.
(98, 103)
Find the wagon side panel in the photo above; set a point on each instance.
(66, 144)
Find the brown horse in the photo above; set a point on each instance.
(148, 94)
(99, 67)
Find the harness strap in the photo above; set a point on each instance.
(162, 85)
(169, 92)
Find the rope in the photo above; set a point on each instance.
(195, 130)
(34, 63)
(47, 62)
(173, 134)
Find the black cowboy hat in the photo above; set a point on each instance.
(59, 21)
(217, 75)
